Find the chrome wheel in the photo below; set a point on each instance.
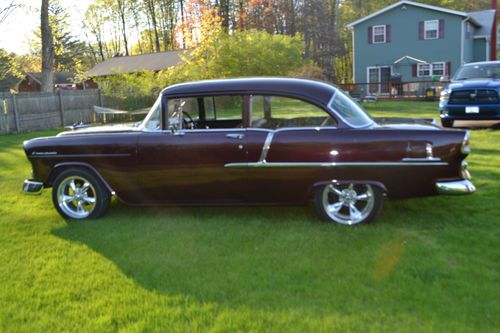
(351, 204)
(76, 197)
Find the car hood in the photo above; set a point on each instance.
(101, 130)
(475, 84)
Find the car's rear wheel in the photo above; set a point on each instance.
(446, 123)
(348, 204)
(78, 194)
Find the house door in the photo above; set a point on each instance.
(379, 80)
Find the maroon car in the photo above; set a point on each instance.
(264, 141)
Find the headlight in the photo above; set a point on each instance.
(445, 96)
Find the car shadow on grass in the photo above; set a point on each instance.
(259, 257)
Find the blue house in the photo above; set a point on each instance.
(410, 41)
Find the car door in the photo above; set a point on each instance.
(284, 134)
(186, 165)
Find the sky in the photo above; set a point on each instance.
(17, 30)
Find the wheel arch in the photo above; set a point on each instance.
(60, 167)
(347, 181)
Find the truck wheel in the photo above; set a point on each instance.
(446, 123)
(78, 194)
(348, 204)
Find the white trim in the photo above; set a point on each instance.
(409, 58)
(353, 57)
(379, 80)
(410, 3)
(419, 66)
(431, 68)
(482, 36)
(438, 63)
(384, 34)
(429, 22)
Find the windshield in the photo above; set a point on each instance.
(480, 71)
(152, 122)
(349, 111)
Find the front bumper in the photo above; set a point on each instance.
(463, 186)
(32, 187)
(458, 112)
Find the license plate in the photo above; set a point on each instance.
(472, 109)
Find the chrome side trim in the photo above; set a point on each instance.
(421, 159)
(265, 148)
(80, 155)
(463, 186)
(465, 148)
(32, 187)
(264, 164)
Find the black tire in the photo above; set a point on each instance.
(333, 203)
(78, 194)
(446, 123)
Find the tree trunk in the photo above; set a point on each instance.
(151, 7)
(47, 49)
(121, 9)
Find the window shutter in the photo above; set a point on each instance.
(421, 30)
(441, 29)
(388, 33)
(414, 70)
(448, 68)
(370, 35)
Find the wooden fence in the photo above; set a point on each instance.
(40, 111)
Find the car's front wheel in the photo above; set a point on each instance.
(348, 204)
(78, 194)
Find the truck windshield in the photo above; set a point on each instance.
(479, 71)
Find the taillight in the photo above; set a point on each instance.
(465, 143)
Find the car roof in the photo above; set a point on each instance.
(313, 91)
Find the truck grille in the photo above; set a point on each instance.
(478, 96)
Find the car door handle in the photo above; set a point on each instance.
(235, 136)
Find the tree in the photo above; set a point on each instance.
(9, 67)
(246, 53)
(69, 53)
(47, 49)
(7, 9)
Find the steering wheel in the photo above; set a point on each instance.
(189, 122)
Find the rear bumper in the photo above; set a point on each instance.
(32, 187)
(463, 186)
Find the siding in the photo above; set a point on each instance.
(480, 49)
(405, 41)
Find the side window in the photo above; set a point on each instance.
(274, 112)
(205, 112)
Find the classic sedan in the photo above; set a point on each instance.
(262, 141)
(474, 94)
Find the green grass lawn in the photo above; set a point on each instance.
(425, 265)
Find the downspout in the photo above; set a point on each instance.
(353, 57)
(493, 39)
(462, 41)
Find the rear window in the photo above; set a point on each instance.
(349, 111)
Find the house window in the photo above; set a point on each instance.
(379, 34)
(435, 68)
(431, 29)
(424, 70)
(438, 68)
